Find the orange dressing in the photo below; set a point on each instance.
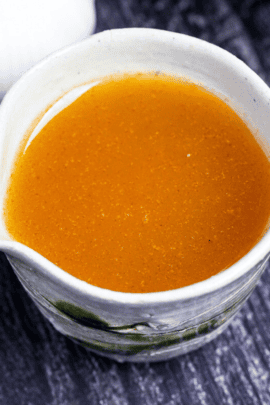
(145, 183)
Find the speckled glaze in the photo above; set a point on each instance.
(132, 327)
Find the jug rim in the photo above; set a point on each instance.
(255, 256)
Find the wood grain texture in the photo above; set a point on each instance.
(40, 366)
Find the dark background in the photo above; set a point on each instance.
(40, 366)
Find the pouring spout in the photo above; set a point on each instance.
(24, 259)
(15, 249)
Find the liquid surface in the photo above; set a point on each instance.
(143, 184)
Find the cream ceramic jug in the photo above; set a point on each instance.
(129, 326)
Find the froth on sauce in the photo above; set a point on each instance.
(145, 183)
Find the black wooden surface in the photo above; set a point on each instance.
(40, 366)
